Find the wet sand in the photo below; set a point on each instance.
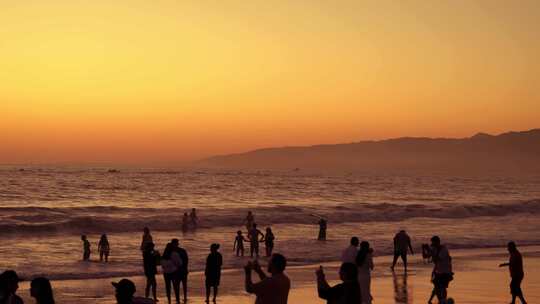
(478, 279)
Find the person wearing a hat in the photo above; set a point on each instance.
(213, 271)
(9, 283)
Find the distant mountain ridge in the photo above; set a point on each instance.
(516, 152)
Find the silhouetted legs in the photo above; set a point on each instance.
(183, 279)
(515, 289)
(254, 248)
(168, 282)
(403, 258)
(151, 283)
(208, 293)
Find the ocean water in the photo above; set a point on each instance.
(43, 211)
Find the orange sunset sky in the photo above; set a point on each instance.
(165, 81)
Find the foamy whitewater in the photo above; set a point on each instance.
(43, 211)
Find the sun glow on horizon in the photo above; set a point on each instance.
(159, 81)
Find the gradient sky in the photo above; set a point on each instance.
(164, 81)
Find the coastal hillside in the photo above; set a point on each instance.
(511, 152)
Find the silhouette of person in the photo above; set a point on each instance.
(401, 290)
(322, 229)
(426, 253)
(146, 238)
(434, 291)
(125, 291)
(349, 254)
(170, 264)
(269, 241)
(194, 220)
(254, 240)
(151, 259)
(86, 248)
(250, 219)
(103, 248)
(347, 292)
(442, 271)
(239, 243)
(273, 289)
(41, 290)
(185, 222)
(364, 262)
(402, 243)
(213, 271)
(9, 283)
(515, 265)
(183, 269)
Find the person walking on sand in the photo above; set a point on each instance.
(194, 220)
(104, 248)
(238, 245)
(347, 292)
(9, 283)
(402, 244)
(349, 254)
(364, 262)
(250, 219)
(322, 229)
(86, 248)
(146, 238)
(442, 271)
(254, 240)
(515, 265)
(213, 271)
(273, 289)
(41, 290)
(151, 259)
(269, 241)
(170, 263)
(183, 270)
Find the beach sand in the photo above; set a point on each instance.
(478, 279)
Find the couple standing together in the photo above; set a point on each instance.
(363, 259)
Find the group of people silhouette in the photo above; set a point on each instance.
(273, 288)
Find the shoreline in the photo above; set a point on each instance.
(477, 280)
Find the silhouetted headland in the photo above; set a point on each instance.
(512, 152)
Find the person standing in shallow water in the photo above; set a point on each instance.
(515, 265)
(41, 290)
(146, 238)
(194, 220)
(364, 262)
(104, 248)
(212, 271)
(402, 244)
(185, 223)
(322, 229)
(249, 221)
(238, 245)
(254, 240)
(86, 248)
(269, 241)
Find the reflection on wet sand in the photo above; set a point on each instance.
(401, 289)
